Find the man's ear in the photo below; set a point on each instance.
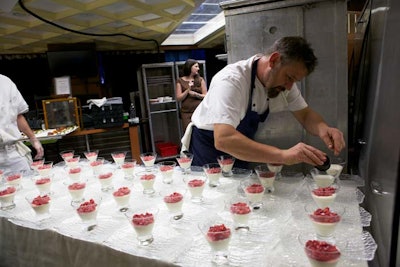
(274, 59)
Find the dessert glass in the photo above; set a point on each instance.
(254, 191)
(14, 179)
(73, 161)
(97, 165)
(142, 221)
(240, 209)
(185, 162)
(128, 167)
(324, 196)
(321, 178)
(324, 220)
(7, 194)
(74, 173)
(226, 163)
(266, 177)
(337, 165)
(196, 185)
(320, 253)
(91, 155)
(173, 199)
(67, 154)
(46, 168)
(43, 184)
(276, 168)
(87, 211)
(213, 172)
(40, 204)
(118, 157)
(218, 235)
(167, 171)
(148, 159)
(147, 179)
(121, 197)
(76, 189)
(105, 178)
(36, 163)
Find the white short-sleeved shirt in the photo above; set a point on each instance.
(228, 97)
(11, 104)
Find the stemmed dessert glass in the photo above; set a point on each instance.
(266, 177)
(148, 159)
(122, 196)
(195, 185)
(240, 210)
(46, 168)
(128, 168)
(76, 189)
(147, 179)
(119, 157)
(218, 235)
(73, 161)
(254, 191)
(323, 196)
(185, 162)
(67, 154)
(105, 178)
(91, 155)
(40, 204)
(88, 211)
(226, 163)
(7, 194)
(97, 165)
(276, 168)
(43, 184)
(14, 179)
(173, 199)
(336, 168)
(213, 172)
(166, 169)
(142, 221)
(36, 163)
(321, 178)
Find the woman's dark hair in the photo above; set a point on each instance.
(295, 48)
(187, 67)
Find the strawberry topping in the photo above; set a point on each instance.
(147, 177)
(321, 251)
(122, 191)
(166, 168)
(119, 155)
(173, 198)
(226, 161)
(325, 215)
(7, 191)
(128, 165)
(143, 219)
(324, 191)
(218, 232)
(196, 183)
(255, 188)
(266, 174)
(184, 160)
(40, 200)
(13, 177)
(105, 175)
(76, 186)
(43, 181)
(75, 170)
(148, 158)
(87, 206)
(240, 208)
(214, 170)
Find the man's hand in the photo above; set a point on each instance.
(38, 147)
(303, 153)
(333, 138)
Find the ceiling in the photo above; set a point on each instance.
(29, 26)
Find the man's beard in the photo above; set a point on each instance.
(274, 91)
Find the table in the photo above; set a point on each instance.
(272, 240)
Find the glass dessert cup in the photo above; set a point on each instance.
(14, 179)
(195, 185)
(43, 184)
(213, 172)
(105, 178)
(122, 196)
(218, 235)
(97, 165)
(76, 189)
(148, 159)
(325, 220)
(87, 211)
(166, 169)
(36, 163)
(7, 194)
(320, 253)
(91, 155)
(226, 163)
(266, 177)
(46, 168)
(128, 168)
(147, 179)
(119, 157)
(74, 173)
(73, 161)
(173, 199)
(254, 191)
(276, 168)
(240, 210)
(185, 162)
(336, 168)
(142, 221)
(40, 204)
(321, 178)
(67, 154)
(324, 196)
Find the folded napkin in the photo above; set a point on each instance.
(97, 102)
(187, 137)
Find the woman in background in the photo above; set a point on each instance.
(190, 90)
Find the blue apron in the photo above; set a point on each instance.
(202, 141)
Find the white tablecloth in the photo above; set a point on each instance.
(272, 240)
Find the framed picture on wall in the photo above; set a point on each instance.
(60, 112)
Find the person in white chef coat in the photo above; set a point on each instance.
(14, 155)
(242, 95)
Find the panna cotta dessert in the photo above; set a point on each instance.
(147, 181)
(74, 173)
(143, 223)
(105, 180)
(323, 180)
(254, 192)
(77, 190)
(213, 172)
(185, 162)
(87, 211)
(226, 162)
(43, 184)
(218, 236)
(148, 159)
(7, 195)
(167, 171)
(240, 213)
(36, 163)
(45, 169)
(335, 170)
(321, 253)
(267, 179)
(14, 179)
(121, 196)
(324, 221)
(91, 155)
(275, 167)
(128, 167)
(118, 157)
(196, 187)
(324, 196)
(97, 165)
(67, 154)
(73, 162)
(41, 204)
(174, 202)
